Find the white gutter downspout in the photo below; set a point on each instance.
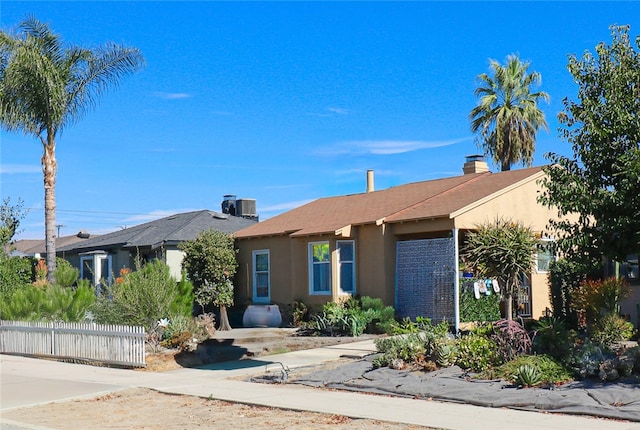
(456, 281)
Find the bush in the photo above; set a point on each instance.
(599, 298)
(611, 328)
(65, 275)
(511, 338)
(381, 316)
(48, 303)
(139, 298)
(552, 336)
(550, 370)
(476, 352)
(15, 274)
(407, 348)
(486, 308)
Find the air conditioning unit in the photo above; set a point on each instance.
(246, 208)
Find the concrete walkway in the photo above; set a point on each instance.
(28, 382)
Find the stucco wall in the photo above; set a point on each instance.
(173, 259)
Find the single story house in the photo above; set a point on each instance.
(36, 248)
(100, 258)
(400, 244)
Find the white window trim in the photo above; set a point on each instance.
(553, 257)
(97, 274)
(353, 267)
(257, 299)
(311, 263)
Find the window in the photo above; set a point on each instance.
(261, 278)
(96, 268)
(346, 266)
(545, 255)
(319, 268)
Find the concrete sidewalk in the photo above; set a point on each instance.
(27, 382)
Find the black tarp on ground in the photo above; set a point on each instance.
(619, 400)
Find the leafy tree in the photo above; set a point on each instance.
(210, 263)
(45, 87)
(10, 218)
(504, 250)
(600, 181)
(507, 115)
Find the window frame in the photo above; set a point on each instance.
(552, 255)
(256, 272)
(353, 266)
(311, 264)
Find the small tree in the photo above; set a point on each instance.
(210, 263)
(502, 249)
(10, 218)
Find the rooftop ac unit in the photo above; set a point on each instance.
(246, 208)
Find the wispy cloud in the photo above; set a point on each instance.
(13, 169)
(331, 111)
(285, 206)
(153, 215)
(386, 147)
(171, 96)
(338, 111)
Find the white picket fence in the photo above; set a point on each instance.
(114, 344)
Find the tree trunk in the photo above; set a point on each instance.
(49, 169)
(508, 306)
(224, 319)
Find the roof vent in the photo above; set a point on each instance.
(475, 164)
(83, 234)
(218, 215)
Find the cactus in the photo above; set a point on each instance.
(445, 355)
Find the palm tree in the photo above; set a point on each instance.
(45, 87)
(507, 114)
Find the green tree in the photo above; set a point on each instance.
(600, 181)
(10, 218)
(504, 250)
(45, 87)
(507, 116)
(210, 263)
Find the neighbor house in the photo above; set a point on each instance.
(400, 244)
(100, 258)
(36, 248)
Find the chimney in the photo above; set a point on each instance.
(475, 164)
(370, 181)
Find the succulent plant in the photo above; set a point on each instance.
(528, 376)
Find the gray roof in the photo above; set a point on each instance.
(171, 230)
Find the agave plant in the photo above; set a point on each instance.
(528, 376)
(445, 354)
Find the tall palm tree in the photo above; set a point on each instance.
(507, 115)
(45, 87)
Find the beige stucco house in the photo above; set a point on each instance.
(400, 244)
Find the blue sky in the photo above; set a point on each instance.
(284, 102)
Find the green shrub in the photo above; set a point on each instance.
(476, 352)
(550, 370)
(552, 336)
(15, 274)
(183, 302)
(407, 348)
(139, 298)
(486, 308)
(611, 328)
(65, 275)
(584, 358)
(49, 303)
(381, 317)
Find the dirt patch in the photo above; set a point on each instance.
(141, 408)
(220, 350)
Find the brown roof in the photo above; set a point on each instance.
(420, 200)
(37, 246)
